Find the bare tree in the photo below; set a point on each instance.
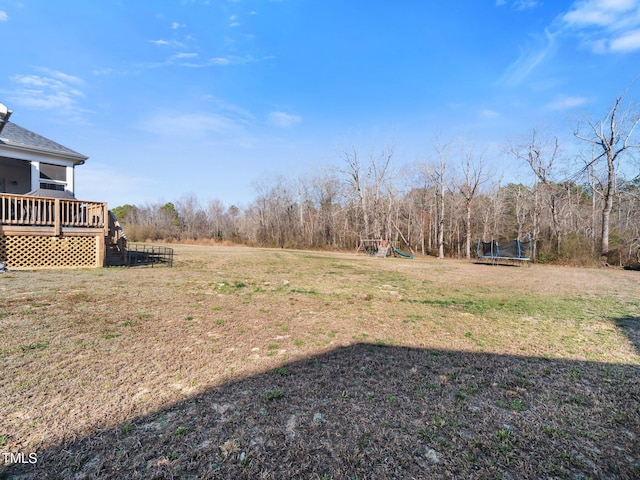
(612, 136)
(541, 156)
(494, 210)
(472, 177)
(192, 217)
(438, 174)
(357, 181)
(368, 185)
(215, 219)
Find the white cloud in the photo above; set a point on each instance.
(283, 120)
(3, 16)
(524, 4)
(54, 90)
(66, 78)
(529, 60)
(229, 60)
(219, 61)
(599, 46)
(196, 125)
(488, 113)
(191, 60)
(176, 25)
(105, 71)
(179, 56)
(599, 12)
(172, 43)
(627, 42)
(519, 4)
(47, 86)
(584, 17)
(606, 25)
(565, 103)
(234, 110)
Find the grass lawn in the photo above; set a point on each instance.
(274, 364)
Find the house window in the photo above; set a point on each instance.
(52, 186)
(53, 177)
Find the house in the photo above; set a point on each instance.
(30, 162)
(42, 225)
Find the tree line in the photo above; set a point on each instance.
(577, 210)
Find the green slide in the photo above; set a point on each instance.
(402, 254)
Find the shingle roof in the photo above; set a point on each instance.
(14, 135)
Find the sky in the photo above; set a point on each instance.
(212, 97)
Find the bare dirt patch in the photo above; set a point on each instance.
(248, 363)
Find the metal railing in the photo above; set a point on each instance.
(138, 254)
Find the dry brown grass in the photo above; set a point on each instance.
(249, 363)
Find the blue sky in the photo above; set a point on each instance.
(207, 97)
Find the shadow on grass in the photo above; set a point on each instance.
(369, 411)
(631, 327)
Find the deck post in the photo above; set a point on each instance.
(105, 219)
(57, 223)
(100, 251)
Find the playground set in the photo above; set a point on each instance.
(493, 252)
(381, 248)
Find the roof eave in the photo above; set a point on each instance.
(76, 158)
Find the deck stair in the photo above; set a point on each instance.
(115, 244)
(115, 257)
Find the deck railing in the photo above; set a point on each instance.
(27, 211)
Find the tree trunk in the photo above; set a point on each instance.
(608, 205)
(441, 224)
(468, 232)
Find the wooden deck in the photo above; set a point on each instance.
(38, 232)
(51, 216)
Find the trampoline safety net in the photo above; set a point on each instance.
(515, 250)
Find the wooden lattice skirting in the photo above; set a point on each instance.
(33, 251)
